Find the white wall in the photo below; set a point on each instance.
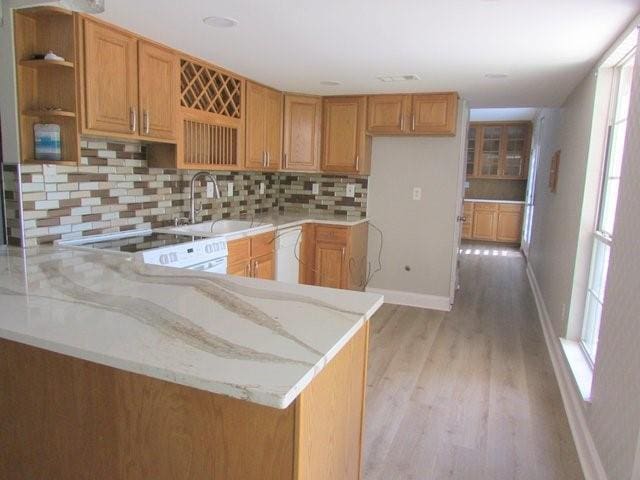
(417, 234)
(559, 256)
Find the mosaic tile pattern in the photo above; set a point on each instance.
(113, 189)
(11, 183)
(296, 193)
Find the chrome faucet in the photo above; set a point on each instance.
(216, 193)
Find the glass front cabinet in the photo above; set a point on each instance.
(498, 150)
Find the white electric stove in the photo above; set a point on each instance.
(194, 252)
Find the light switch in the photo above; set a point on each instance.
(209, 189)
(315, 188)
(417, 193)
(262, 188)
(230, 189)
(351, 190)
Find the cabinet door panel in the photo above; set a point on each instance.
(435, 114)
(472, 143)
(467, 225)
(256, 121)
(343, 134)
(387, 113)
(111, 79)
(159, 95)
(239, 269)
(516, 140)
(302, 129)
(509, 226)
(273, 128)
(490, 150)
(264, 267)
(484, 225)
(329, 263)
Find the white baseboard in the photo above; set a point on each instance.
(571, 397)
(410, 299)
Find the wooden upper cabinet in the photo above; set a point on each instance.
(345, 146)
(388, 113)
(499, 150)
(418, 114)
(264, 128)
(273, 128)
(302, 131)
(434, 113)
(158, 90)
(110, 79)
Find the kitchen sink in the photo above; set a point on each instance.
(220, 227)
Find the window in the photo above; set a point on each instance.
(608, 200)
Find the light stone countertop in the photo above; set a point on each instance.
(257, 340)
(483, 200)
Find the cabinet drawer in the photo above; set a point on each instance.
(262, 244)
(488, 207)
(332, 234)
(239, 250)
(510, 207)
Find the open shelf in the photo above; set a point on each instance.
(46, 63)
(49, 113)
(47, 83)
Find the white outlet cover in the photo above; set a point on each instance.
(315, 188)
(209, 189)
(351, 190)
(230, 189)
(417, 193)
(262, 188)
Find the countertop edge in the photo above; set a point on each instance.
(191, 381)
(484, 200)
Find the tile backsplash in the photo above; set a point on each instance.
(496, 189)
(113, 189)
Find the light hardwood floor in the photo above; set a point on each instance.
(468, 394)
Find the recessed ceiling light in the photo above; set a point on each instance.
(398, 78)
(331, 83)
(220, 22)
(496, 75)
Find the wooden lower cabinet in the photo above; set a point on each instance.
(509, 223)
(485, 222)
(264, 267)
(467, 225)
(252, 256)
(335, 256)
(493, 222)
(330, 264)
(63, 417)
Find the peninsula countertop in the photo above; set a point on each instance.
(485, 200)
(257, 340)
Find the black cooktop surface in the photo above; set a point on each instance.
(144, 241)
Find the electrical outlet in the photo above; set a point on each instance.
(209, 189)
(315, 188)
(48, 170)
(351, 190)
(417, 193)
(262, 188)
(230, 189)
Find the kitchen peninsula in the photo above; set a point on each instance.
(118, 369)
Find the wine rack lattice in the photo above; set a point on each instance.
(204, 88)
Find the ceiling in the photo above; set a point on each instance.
(544, 46)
